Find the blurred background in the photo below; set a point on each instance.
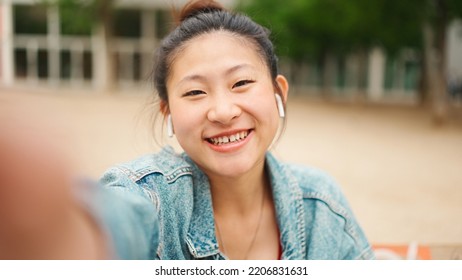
(375, 99)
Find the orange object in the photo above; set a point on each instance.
(387, 251)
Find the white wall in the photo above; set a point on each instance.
(6, 44)
(454, 44)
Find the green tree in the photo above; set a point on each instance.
(307, 30)
(437, 16)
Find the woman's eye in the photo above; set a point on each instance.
(194, 93)
(242, 83)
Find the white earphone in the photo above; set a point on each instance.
(169, 126)
(280, 105)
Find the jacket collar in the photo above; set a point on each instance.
(201, 238)
(288, 200)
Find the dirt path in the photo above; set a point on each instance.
(402, 176)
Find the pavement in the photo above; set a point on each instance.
(401, 174)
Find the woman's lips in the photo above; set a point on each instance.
(229, 142)
(228, 138)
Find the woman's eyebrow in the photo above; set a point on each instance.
(238, 67)
(201, 78)
(194, 77)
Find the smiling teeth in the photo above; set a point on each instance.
(229, 139)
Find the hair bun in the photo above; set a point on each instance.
(195, 7)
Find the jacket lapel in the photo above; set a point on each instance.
(288, 202)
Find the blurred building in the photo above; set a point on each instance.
(39, 48)
(454, 59)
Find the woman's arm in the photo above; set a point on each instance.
(39, 215)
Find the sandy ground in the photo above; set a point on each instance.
(401, 174)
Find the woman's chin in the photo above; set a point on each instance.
(232, 168)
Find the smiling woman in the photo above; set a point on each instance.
(226, 196)
(228, 79)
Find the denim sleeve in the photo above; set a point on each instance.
(127, 217)
(333, 230)
(353, 243)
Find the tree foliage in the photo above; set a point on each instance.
(308, 28)
(78, 17)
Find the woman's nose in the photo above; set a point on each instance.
(223, 109)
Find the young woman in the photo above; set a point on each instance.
(226, 196)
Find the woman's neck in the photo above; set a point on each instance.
(245, 218)
(238, 195)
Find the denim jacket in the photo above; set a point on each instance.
(159, 207)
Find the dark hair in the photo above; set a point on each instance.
(204, 16)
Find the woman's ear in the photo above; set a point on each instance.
(283, 85)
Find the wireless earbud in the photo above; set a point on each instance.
(169, 126)
(280, 105)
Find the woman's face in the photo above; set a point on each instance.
(222, 103)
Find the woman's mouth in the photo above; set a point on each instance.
(229, 139)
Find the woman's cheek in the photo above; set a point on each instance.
(186, 122)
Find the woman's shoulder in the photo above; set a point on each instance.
(166, 163)
(328, 210)
(313, 181)
(316, 184)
